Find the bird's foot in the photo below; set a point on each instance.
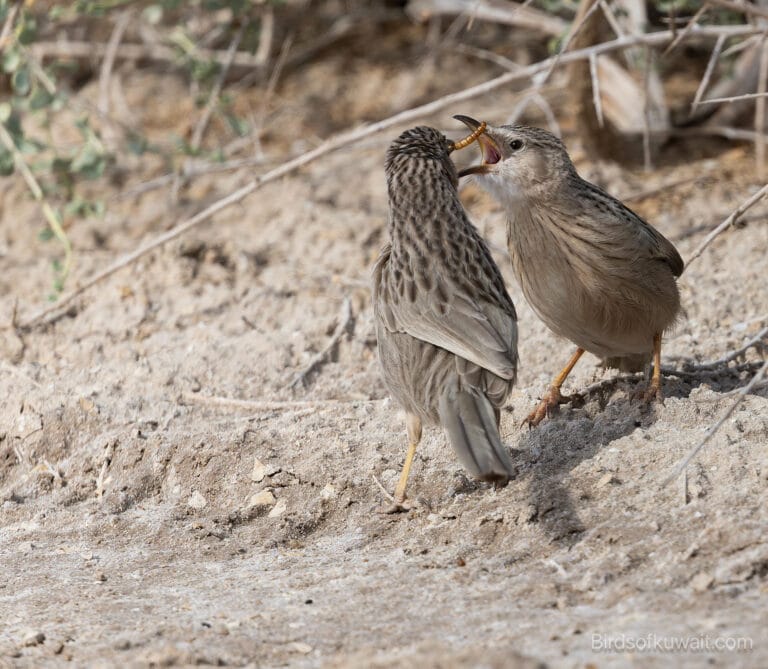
(650, 394)
(402, 506)
(546, 407)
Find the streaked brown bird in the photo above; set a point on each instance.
(593, 270)
(445, 324)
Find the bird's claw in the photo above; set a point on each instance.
(547, 405)
(402, 506)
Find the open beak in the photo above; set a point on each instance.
(489, 148)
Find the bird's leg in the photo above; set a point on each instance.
(653, 392)
(413, 427)
(552, 397)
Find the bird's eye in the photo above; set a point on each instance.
(516, 144)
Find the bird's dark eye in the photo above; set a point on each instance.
(516, 144)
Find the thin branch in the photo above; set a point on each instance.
(596, 88)
(646, 111)
(136, 52)
(741, 6)
(265, 405)
(213, 98)
(484, 54)
(109, 59)
(10, 19)
(762, 80)
(713, 430)
(735, 98)
(708, 72)
(355, 135)
(266, 35)
(759, 342)
(727, 223)
(611, 18)
(511, 14)
(345, 318)
(575, 30)
(690, 26)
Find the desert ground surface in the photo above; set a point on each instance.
(145, 521)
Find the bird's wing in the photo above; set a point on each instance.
(605, 209)
(449, 317)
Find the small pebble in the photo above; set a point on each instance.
(263, 498)
(702, 581)
(196, 500)
(278, 510)
(33, 638)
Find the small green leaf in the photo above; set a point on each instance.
(20, 81)
(11, 60)
(7, 164)
(153, 14)
(45, 235)
(40, 98)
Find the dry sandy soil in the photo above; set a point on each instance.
(144, 524)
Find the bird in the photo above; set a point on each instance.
(446, 326)
(594, 271)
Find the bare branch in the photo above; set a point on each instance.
(708, 72)
(727, 223)
(596, 88)
(345, 318)
(741, 6)
(109, 59)
(213, 98)
(762, 80)
(266, 405)
(357, 134)
(713, 430)
(687, 30)
(508, 13)
(575, 30)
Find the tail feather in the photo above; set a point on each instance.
(470, 421)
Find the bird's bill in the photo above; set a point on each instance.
(490, 150)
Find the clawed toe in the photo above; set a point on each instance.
(549, 403)
(649, 395)
(397, 507)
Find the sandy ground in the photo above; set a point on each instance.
(142, 524)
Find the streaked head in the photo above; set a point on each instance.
(421, 145)
(519, 160)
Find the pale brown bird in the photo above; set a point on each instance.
(593, 270)
(445, 324)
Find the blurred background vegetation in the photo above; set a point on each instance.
(71, 131)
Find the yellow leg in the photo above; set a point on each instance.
(413, 426)
(553, 397)
(654, 389)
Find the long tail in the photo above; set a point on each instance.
(470, 421)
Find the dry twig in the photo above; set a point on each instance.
(762, 81)
(353, 136)
(690, 26)
(727, 223)
(596, 89)
(511, 14)
(265, 405)
(713, 430)
(213, 98)
(708, 72)
(319, 359)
